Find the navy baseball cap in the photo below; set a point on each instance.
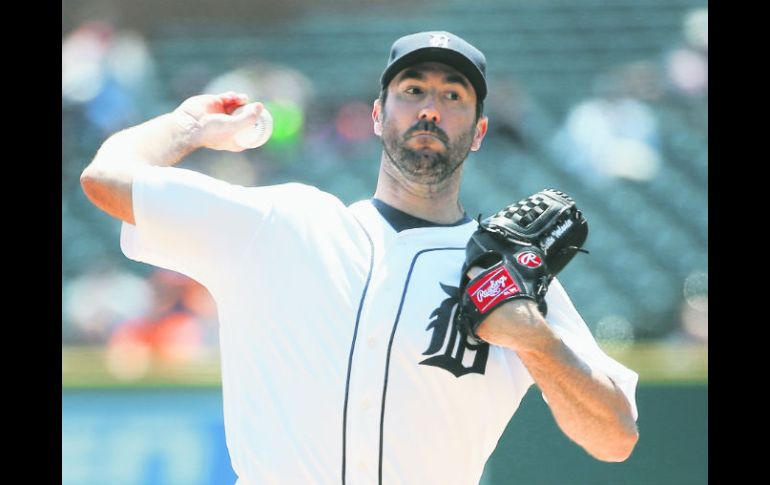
(438, 46)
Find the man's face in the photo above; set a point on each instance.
(428, 123)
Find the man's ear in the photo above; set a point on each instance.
(481, 130)
(377, 117)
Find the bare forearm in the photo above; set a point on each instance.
(200, 121)
(161, 141)
(586, 404)
(107, 181)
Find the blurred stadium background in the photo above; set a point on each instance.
(604, 99)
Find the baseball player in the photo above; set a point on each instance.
(388, 341)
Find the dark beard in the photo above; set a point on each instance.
(426, 166)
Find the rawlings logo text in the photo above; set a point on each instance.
(492, 288)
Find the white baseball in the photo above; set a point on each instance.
(257, 135)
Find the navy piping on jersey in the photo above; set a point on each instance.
(352, 349)
(400, 220)
(390, 344)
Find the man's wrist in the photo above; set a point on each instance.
(185, 129)
(518, 325)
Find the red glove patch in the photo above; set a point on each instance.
(491, 288)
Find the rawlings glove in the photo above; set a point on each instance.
(522, 248)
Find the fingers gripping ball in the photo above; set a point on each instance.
(258, 134)
(522, 247)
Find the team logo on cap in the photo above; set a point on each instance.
(439, 40)
(529, 259)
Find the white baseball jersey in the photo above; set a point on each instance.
(339, 361)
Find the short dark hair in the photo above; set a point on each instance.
(479, 102)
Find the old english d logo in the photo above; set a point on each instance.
(447, 345)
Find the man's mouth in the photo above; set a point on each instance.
(424, 130)
(426, 135)
(426, 141)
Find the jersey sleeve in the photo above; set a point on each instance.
(191, 223)
(570, 326)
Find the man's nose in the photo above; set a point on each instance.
(429, 113)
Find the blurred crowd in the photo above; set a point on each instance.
(618, 137)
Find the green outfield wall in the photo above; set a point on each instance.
(672, 447)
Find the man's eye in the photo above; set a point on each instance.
(453, 95)
(413, 90)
